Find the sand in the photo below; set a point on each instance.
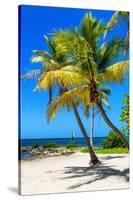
(73, 173)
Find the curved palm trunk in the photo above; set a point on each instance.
(92, 127)
(94, 159)
(109, 123)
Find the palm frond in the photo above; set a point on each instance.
(107, 53)
(104, 89)
(62, 78)
(112, 22)
(105, 103)
(37, 59)
(86, 110)
(126, 48)
(79, 95)
(51, 45)
(48, 63)
(76, 48)
(40, 52)
(91, 29)
(74, 68)
(53, 107)
(114, 73)
(32, 74)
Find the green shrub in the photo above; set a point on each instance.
(112, 141)
(35, 145)
(51, 145)
(24, 149)
(107, 151)
(84, 150)
(111, 151)
(71, 146)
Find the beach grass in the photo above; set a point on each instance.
(98, 150)
(107, 151)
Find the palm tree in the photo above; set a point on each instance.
(53, 63)
(79, 96)
(92, 63)
(71, 99)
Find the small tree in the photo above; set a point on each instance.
(124, 117)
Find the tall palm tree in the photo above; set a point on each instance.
(53, 63)
(71, 99)
(92, 62)
(80, 97)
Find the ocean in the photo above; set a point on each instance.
(97, 141)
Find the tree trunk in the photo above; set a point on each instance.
(92, 127)
(94, 159)
(109, 123)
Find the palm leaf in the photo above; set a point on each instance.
(113, 22)
(32, 74)
(76, 48)
(105, 103)
(78, 95)
(41, 53)
(63, 78)
(114, 73)
(107, 53)
(37, 59)
(91, 29)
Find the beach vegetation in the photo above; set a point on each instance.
(50, 145)
(101, 150)
(36, 145)
(111, 141)
(124, 117)
(71, 146)
(24, 149)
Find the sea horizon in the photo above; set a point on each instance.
(60, 138)
(80, 141)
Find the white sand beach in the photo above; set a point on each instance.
(73, 173)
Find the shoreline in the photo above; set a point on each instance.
(40, 152)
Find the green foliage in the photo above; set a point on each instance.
(112, 141)
(24, 149)
(84, 150)
(119, 150)
(51, 145)
(71, 146)
(36, 145)
(124, 117)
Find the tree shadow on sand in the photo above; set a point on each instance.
(112, 157)
(94, 173)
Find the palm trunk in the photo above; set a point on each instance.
(92, 127)
(110, 124)
(94, 159)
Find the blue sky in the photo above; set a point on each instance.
(37, 21)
